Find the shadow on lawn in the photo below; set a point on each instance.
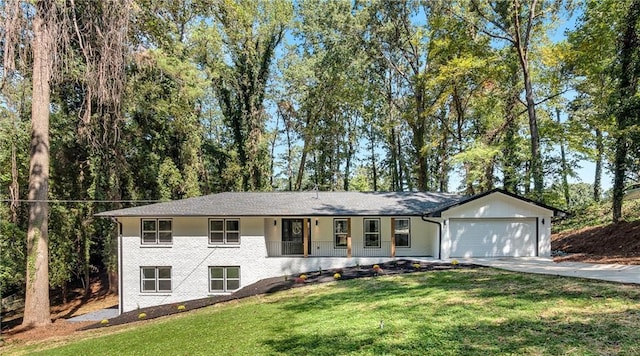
(522, 335)
(502, 288)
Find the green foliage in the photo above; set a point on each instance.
(12, 257)
(596, 214)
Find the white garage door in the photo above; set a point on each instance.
(492, 237)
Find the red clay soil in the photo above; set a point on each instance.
(615, 243)
(100, 298)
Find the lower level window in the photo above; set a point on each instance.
(155, 279)
(224, 279)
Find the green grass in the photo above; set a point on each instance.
(460, 312)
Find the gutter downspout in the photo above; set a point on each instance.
(424, 218)
(120, 298)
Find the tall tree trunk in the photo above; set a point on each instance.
(521, 45)
(511, 161)
(395, 163)
(536, 160)
(563, 166)
(597, 182)
(374, 169)
(36, 310)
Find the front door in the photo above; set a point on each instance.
(292, 236)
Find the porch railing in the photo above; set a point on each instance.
(327, 249)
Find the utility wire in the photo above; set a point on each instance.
(79, 201)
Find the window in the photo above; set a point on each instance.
(155, 279)
(340, 232)
(402, 232)
(371, 232)
(156, 231)
(224, 231)
(224, 279)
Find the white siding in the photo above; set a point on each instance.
(190, 255)
(479, 219)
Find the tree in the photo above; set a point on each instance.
(239, 70)
(626, 101)
(56, 30)
(517, 23)
(589, 62)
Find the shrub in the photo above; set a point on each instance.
(454, 262)
(104, 322)
(416, 265)
(377, 269)
(181, 307)
(337, 275)
(142, 315)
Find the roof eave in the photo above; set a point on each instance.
(438, 213)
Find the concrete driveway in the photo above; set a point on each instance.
(541, 265)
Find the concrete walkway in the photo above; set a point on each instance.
(97, 315)
(541, 265)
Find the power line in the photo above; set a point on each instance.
(78, 201)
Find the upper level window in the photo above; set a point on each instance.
(402, 232)
(224, 231)
(371, 232)
(156, 231)
(340, 232)
(155, 279)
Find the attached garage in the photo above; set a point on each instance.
(494, 224)
(493, 237)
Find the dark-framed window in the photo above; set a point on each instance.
(224, 279)
(155, 279)
(372, 233)
(224, 231)
(157, 232)
(402, 232)
(340, 232)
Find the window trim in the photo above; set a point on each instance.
(224, 279)
(224, 231)
(335, 234)
(395, 231)
(365, 233)
(156, 279)
(156, 231)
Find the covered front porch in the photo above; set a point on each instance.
(329, 236)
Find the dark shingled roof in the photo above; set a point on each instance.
(308, 203)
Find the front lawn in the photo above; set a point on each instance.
(461, 312)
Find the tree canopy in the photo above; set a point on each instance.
(152, 100)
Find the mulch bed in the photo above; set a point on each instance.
(276, 284)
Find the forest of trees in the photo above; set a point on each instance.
(109, 104)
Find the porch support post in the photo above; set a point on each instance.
(349, 238)
(393, 237)
(305, 237)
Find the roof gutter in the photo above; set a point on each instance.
(424, 218)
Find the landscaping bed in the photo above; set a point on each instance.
(275, 284)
